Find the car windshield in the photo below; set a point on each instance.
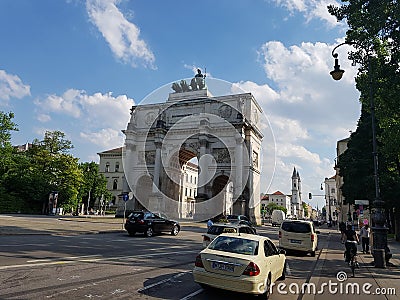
(217, 230)
(136, 215)
(235, 245)
(296, 227)
(230, 217)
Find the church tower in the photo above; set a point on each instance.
(296, 194)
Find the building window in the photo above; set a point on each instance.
(191, 178)
(195, 179)
(117, 167)
(115, 184)
(107, 167)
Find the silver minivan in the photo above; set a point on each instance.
(298, 235)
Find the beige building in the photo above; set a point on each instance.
(331, 204)
(342, 209)
(278, 198)
(111, 167)
(188, 190)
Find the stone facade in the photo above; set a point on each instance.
(221, 132)
(111, 167)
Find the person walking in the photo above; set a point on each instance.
(364, 234)
(209, 223)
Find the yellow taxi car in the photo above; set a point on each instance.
(244, 263)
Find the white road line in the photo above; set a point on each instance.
(162, 281)
(23, 245)
(94, 259)
(288, 271)
(192, 294)
(58, 258)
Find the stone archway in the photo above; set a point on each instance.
(220, 131)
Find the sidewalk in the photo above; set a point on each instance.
(60, 225)
(16, 224)
(372, 282)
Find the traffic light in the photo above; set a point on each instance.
(309, 196)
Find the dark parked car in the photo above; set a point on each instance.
(240, 219)
(150, 223)
(218, 228)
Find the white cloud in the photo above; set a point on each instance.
(98, 117)
(122, 36)
(308, 111)
(11, 86)
(298, 151)
(43, 118)
(106, 138)
(68, 104)
(312, 9)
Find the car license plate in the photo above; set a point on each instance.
(222, 267)
(295, 241)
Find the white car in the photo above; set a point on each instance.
(298, 235)
(244, 263)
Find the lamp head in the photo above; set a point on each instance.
(337, 73)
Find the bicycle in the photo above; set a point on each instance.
(353, 263)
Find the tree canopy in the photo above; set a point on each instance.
(374, 31)
(28, 177)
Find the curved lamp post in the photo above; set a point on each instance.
(379, 230)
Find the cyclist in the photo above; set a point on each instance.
(350, 238)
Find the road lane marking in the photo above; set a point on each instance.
(94, 259)
(192, 294)
(58, 258)
(288, 271)
(162, 281)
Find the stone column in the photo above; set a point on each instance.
(239, 186)
(157, 167)
(201, 193)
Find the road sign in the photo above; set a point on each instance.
(362, 202)
(125, 197)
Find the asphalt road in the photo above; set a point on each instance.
(116, 266)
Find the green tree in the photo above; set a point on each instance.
(356, 163)
(273, 206)
(55, 142)
(44, 168)
(374, 32)
(8, 202)
(6, 126)
(305, 209)
(94, 185)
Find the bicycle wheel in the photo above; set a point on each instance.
(353, 266)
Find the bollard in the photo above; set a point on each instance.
(379, 258)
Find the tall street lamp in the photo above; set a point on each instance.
(90, 190)
(327, 194)
(379, 230)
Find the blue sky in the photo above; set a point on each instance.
(78, 66)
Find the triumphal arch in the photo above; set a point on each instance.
(219, 134)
